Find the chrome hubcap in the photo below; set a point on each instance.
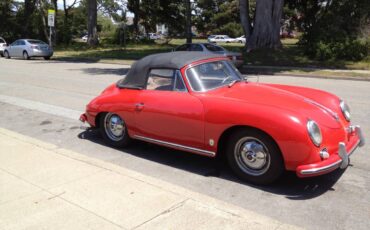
(114, 127)
(252, 156)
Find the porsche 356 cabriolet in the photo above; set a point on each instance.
(202, 104)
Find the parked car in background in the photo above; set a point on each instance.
(153, 36)
(84, 38)
(221, 39)
(241, 39)
(28, 48)
(2, 46)
(201, 103)
(287, 34)
(236, 58)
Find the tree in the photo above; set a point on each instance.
(134, 7)
(189, 34)
(265, 31)
(66, 25)
(333, 29)
(218, 17)
(92, 29)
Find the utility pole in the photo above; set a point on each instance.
(189, 34)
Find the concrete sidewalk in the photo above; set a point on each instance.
(45, 187)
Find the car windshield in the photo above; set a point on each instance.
(36, 42)
(2, 40)
(214, 48)
(212, 75)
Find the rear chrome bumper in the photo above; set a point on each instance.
(341, 160)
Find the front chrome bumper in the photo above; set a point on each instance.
(342, 162)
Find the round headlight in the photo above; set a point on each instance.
(345, 110)
(314, 132)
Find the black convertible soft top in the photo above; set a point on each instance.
(137, 76)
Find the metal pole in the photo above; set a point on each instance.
(50, 43)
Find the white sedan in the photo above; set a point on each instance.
(28, 48)
(222, 38)
(241, 39)
(2, 46)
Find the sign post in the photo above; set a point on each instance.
(51, 22)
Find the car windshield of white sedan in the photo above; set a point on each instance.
(212, 75)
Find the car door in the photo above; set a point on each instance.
(167, 113)
(21, 47)
(12, 49)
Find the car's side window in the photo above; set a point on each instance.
(196, 47)
(182, 48)
(161, 79)
(165, 80)
(22, 43)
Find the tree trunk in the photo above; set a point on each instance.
(54, 29)
(66, 32)
(92, 39)
(189, 34)
(266, 28)
(244, 18)
(29, 8)
(43, 18)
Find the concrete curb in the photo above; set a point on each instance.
(255, 220)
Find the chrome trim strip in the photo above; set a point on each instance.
(331, 166)
(169, 144)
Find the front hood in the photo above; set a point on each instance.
(255, 93)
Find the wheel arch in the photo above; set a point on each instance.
(98, 117)
(222, 141)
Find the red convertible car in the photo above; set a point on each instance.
(202, 104)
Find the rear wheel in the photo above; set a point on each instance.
(254, 156)
(114, 130)
(25, 55)
(6, 54)
(47, 58)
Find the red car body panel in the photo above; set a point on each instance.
(195, 119)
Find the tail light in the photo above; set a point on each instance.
(34, 47)
(231, 57)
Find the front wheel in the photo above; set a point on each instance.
(114, 130)
(254, 156)
(47, 58)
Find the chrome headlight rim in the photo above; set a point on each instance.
(345, 110)
(314, 132)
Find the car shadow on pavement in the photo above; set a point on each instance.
(106, 71)
(289, 185)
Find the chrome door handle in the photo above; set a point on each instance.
(139, 106)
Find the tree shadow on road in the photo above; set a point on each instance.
(289, 185)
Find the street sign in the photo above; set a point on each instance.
(51, 18)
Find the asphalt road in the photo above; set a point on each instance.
(42, 99)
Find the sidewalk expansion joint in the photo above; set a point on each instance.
(171, 209)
